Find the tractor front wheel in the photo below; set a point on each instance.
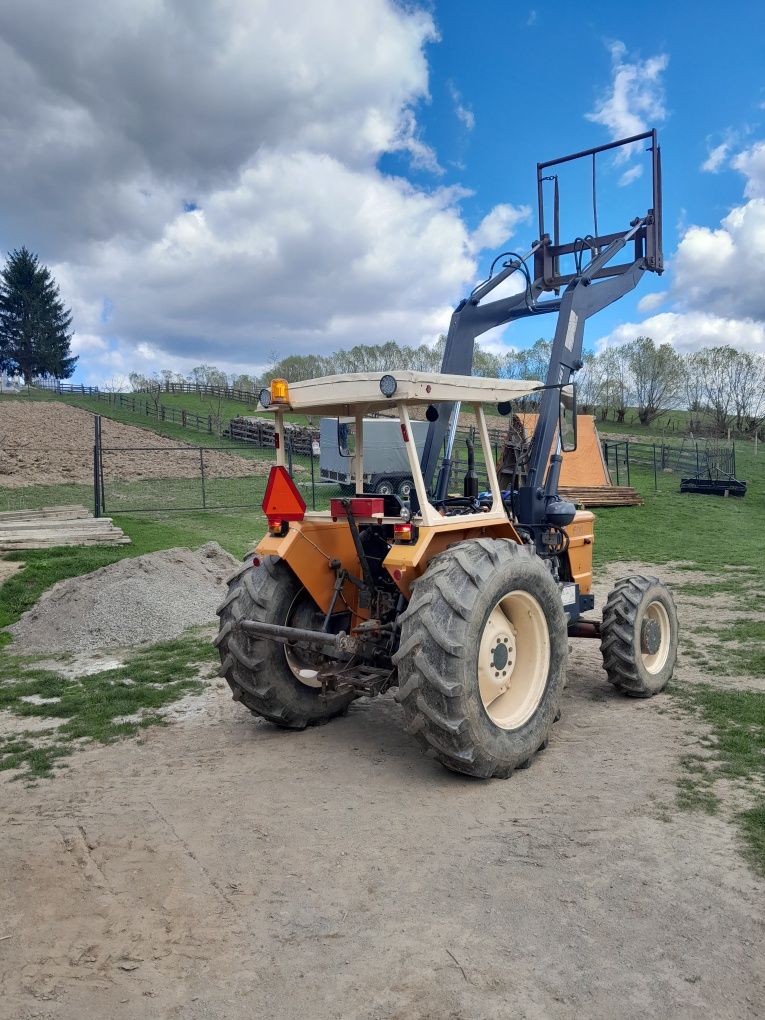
(482, 657)
(639, 636)
(273, 680)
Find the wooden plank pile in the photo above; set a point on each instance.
(601, 495)
(260, 432)
(56, 525)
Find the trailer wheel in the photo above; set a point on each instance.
(384, 487)
(404, 488)
(272, 680)
(639, 636)
(482, 657)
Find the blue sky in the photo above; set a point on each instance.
(529, 74)
(217, 182)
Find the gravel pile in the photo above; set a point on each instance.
(134, 601)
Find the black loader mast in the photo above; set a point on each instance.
(596, 280)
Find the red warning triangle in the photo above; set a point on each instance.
(282, 501)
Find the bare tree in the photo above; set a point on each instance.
(208, 375)
(245, 383)
(588, 384)
(139, 382)
(747, 378)
(615, 382)
(657, 377)
(693, 382)
(717, 367)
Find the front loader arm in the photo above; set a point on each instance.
(585, 291)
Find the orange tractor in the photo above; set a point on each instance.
(463, 601)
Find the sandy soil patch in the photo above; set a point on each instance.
(224, 868)
(8, 569)
(52, 444)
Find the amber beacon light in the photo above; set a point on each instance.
(280, 393)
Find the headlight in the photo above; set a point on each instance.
(388, 385)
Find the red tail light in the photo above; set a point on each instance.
(403, 533)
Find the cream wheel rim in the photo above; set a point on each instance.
(305, 674)
(309, 677)
(654, 653)
(514, 660)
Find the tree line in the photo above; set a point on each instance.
(722, 388)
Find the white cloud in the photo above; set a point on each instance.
(717, 276)
(723, 270)
(716, 157)
(273, 264)
(209, 173)
(498, 225)
(751, 163)
(690, 330)
(630, 175)
(635, 98)
(462, 112)
(648, 302)
(86, 343)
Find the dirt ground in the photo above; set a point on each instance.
(222, 868)
(45, 443)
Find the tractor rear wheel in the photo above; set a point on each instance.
(273, 680)
(639, 636)
(482, 657)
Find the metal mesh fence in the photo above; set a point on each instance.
(129, 479)
(136, 479)
(663, 463)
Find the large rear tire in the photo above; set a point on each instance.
(271, 680)
(639, 636)
(482, 657)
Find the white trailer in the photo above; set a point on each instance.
(386, 467)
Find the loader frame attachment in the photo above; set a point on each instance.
(591, 287)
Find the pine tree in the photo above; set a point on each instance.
(35, 327)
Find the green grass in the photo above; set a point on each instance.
(31, 497)
(225, 409)
(710, 531)
(737, 745)
(168, 429)
(668, 424)
(93, 706)
(749, 650)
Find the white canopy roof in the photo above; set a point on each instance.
(360, 391)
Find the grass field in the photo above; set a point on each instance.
(710, 531)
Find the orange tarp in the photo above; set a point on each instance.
(585, 465)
